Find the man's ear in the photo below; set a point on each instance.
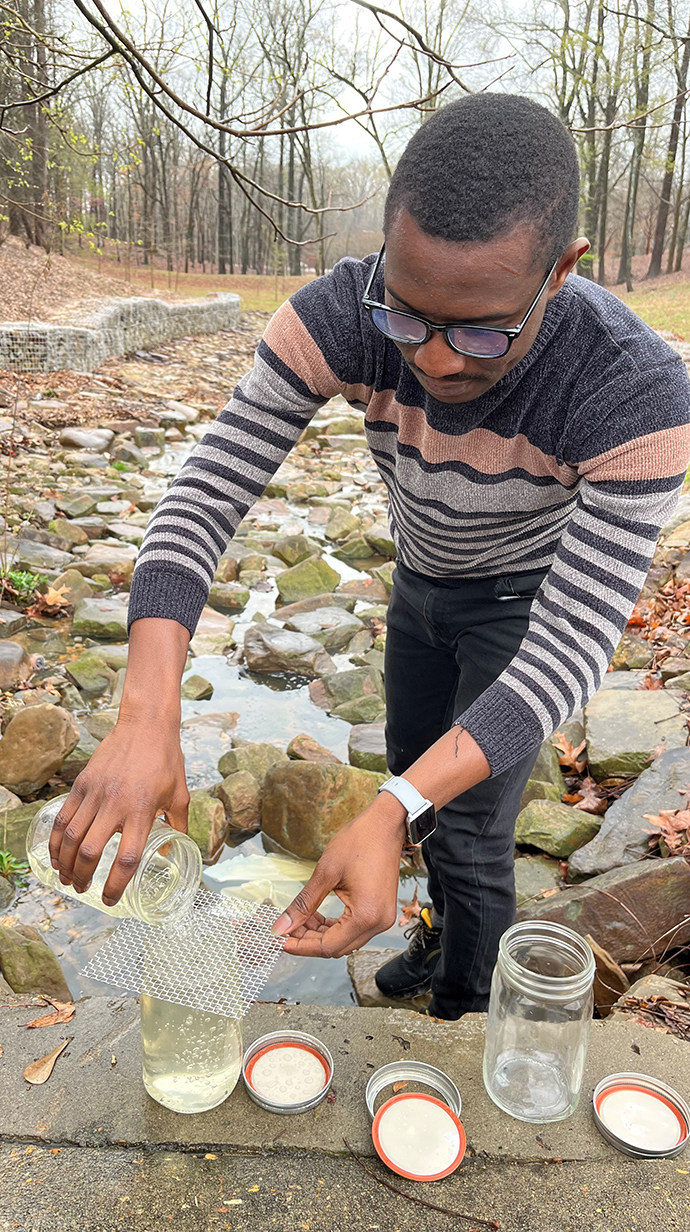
(571, 255)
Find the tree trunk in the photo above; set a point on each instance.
(665, 199)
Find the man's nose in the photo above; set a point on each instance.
(436, 359)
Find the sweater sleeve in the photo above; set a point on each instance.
(232, 464)
(626, 495)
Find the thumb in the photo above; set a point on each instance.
(304, 904)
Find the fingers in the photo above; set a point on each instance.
(126, 862)
(306, 903)
(73, 802)
(177, 815)
(334, 941)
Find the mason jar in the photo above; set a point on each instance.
(162, 889)
(191, 1058)
(539, 1019)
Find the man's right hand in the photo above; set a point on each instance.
(136, 773)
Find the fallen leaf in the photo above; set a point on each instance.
(569, 755)
(399, 1086)
(549, 893)
(651, 681)
(39, 1071)
(657, 751)
(674, 825)
(113, 1059)
(591, 801)
(0, 1050)
(410, 910)
(63, 1012)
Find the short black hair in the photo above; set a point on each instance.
(485, 163)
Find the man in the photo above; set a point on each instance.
(533, 437)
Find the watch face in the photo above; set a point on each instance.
(422, 824)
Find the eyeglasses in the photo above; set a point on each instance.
(474, 340)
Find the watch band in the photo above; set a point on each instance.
(402, 789)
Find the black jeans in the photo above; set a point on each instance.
(444, 647)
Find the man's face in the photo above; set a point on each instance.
(490, 284)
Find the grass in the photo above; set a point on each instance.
(664, 307)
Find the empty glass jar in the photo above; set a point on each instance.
(162, 889)
(539, 1019)
(191, 1058)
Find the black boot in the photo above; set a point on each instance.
(410, 973)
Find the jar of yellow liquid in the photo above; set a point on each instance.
(191, 1058)
(162, 889)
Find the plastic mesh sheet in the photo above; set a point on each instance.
(217, 958)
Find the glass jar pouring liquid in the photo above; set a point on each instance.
(540, 1012)
(162, 889)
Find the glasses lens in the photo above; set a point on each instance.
(485, 343)
(400, 328)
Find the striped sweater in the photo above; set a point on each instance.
(571, 462)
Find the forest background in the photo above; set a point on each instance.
(258, 136)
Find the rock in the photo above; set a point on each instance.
(15, 665)
(672, 668)
(68, 531)
(118, 687)
(367, 746)
(342, 687)
(94, 527)
(257, 759)
(298, 492)
(11, 620)
(114, 656)
(101, 723)
(384, 574)
(112, 508)
(7, 894)
(91, 674)
(649, 986)
(555, 828)
(369, 588)
(95, 440)
(341, 524)
(196, 689)
(546, 779)
(8, 801)
(29, 965)
(380, 539)
(229, 596)
(332, 626)
(654, 892)
(268, 649)
(82, 458)
(75, 586)
(39, 557)
(206, 823)
(312, 577)
(36, 743)
(362, 967)
(623, 729)
(127, 532)
(80, 756)
(622, 680)
(14, 824)
(682, 682)
(128, 452)
(361, 710)
(306, 803)
(76, 506)
(292, 549)
(305, 748)
(631, 652)
(310, 605)
(107, 558)
(624, 834)
(355, 547)
(104, 619)
(535, 876)
(190, 413)
(213, 633)
(573, 729)
(360, 644)
(240, 795)
(609, 981)
(145, 436)
(345, 426)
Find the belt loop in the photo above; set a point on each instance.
(504, 589)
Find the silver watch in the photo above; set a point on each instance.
(421, 814)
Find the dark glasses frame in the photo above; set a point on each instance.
(508, 334)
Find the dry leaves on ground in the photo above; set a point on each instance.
(411, 910)
(652, 681)
(39, 1071)
(674, 826)
(63, 1011)
(52, 603)
(590, 799)
(568, 756)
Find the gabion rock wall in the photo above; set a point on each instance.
(117, 328)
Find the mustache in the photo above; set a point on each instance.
(450, 379)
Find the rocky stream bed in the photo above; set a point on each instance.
(283, 695)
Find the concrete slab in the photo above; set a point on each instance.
(71, 1189)
(95, 1097)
